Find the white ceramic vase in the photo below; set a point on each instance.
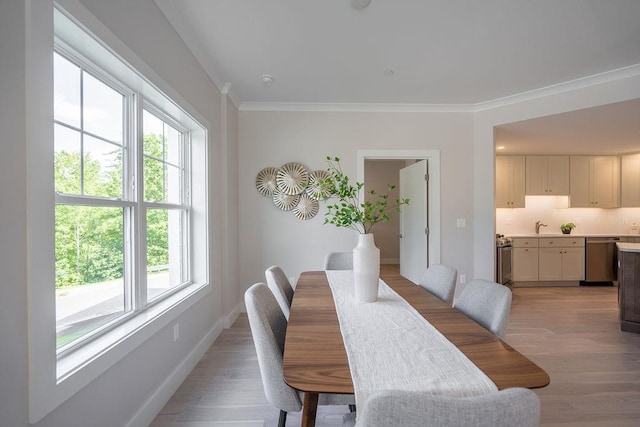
(366, 269)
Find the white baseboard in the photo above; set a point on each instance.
(161, 396)
(230, 318)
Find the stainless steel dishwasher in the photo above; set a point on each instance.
(600, 260)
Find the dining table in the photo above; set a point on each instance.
(315, 359)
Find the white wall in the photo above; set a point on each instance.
(13, 290)
(231, 298)
(270, 236)
(132, 389)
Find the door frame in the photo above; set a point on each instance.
(433, 160)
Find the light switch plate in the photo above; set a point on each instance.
(461, 223)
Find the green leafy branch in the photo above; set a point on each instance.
(348, 211)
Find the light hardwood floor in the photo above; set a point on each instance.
(572, 333)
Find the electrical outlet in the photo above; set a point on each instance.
(176, 332)
(461, 223)
(463, 278)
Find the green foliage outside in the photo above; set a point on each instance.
(89, 243)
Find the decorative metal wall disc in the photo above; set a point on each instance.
(266, 181)
(314, 189)
(292, 178)
(306, 208)
(286, 202)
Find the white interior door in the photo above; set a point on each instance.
(414, 237)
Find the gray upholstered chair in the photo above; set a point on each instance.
(440, 280)
(268, 328)
(338, 261)
(281, 288)
(507, 408)
(486, 302)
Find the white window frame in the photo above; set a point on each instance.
(52, 379)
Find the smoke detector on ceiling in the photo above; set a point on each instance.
(266, 79)
(360, 4)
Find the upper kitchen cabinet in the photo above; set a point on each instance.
(594, 181)
(510, 181)
(630, 181)
(547, 175)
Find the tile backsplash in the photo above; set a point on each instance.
(553, 211)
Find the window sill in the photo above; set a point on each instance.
(103, 352)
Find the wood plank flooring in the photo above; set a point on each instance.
(571, 332)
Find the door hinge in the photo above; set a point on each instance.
(426, 177)
(426, 231)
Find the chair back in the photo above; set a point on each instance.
(281, 288)
(440, 280)
(507, 408)
(268, 328)
(488, 303)
(338, 261)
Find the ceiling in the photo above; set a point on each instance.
(415, 52)
(609, 129)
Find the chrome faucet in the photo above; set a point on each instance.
(538, 225)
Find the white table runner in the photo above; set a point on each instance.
(390, 346)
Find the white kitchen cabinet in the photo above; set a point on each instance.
(573, 264)
(594, 181)
(525, 260)
(561, 259)
(510, 181)
(549, 264)
(630, 181)
(547, 175)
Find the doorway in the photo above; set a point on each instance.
(401, 158)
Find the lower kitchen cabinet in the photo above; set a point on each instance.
(561, 259)
(525, 264)
(548, 259)
(560, 264)
(525, 260)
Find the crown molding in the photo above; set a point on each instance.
(581, 83)
(356, 108)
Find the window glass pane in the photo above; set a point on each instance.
(67, 160)
(154, 177)
(153, 130)
(66, 96)
(174, 184)
(102, 109)
(174, 146)
(90, 287)
(163, 168)
(165, 251)
(102, 168)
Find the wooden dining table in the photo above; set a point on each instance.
(315, 359)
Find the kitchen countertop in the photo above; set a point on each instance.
(628, 247)
(571, 235)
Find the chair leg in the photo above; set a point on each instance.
(283, 418)
(352, 408)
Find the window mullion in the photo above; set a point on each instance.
(82, 131)
(140, 282)
(129, 153)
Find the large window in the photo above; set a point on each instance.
(117, 192)
(122, 215)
